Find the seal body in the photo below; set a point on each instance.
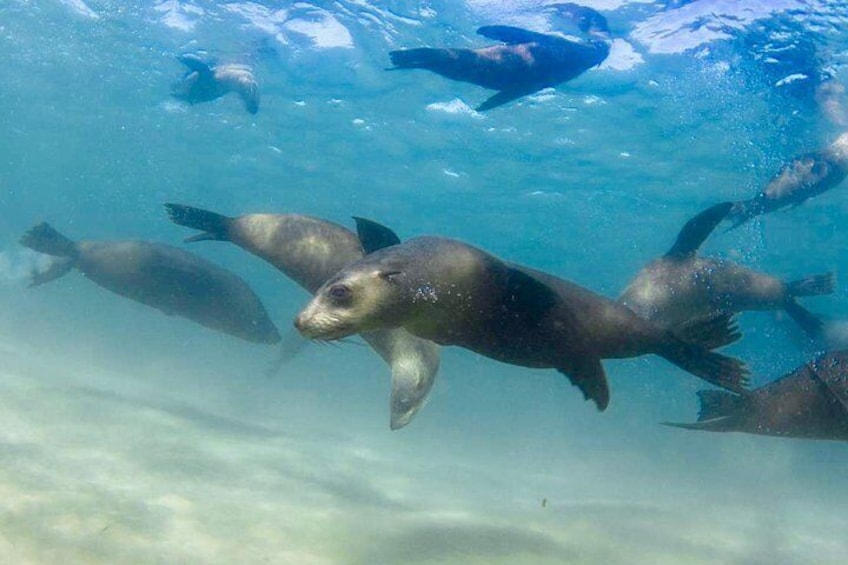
(203, 83)
(804, 177)
(171, 280)
(525, 63)
(681, 285)
(811, 402)
(309, 251)
(455, 294)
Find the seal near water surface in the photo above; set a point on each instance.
(171, 280)
(203, 82)
(525, 63)
(309, 251)
(681, 285)
(455, 294)
(811, 402)
(805, 176)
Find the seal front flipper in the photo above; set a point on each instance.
(503, 97)
(215, 226)
(512, 35)
(195, 64)
(291, 344)
(697, 230)
(588, 375)
(838, 396)
(811, 324)
(374, 236)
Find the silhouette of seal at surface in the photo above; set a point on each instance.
(810, 402)
(203, 83)
(525, 63)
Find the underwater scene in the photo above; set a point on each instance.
(415, 282)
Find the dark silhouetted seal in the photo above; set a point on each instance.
(171, 280)
(309, 251)
(455, 294)
(203, 83)
(681, 285)
(811, 402)
(525, 63)
(806, 176)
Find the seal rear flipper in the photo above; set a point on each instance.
(720, 370)
(512, 35)
(711, 331)
(502, 98)
(419, 58)
(588, 375)
(216, 227)
(811, 324)
(696, 231)
(374, 236)
(58, 267)
(44, 239)
(815, 285)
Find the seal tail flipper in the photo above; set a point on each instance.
(58, 267)
(815, 285)
(419, 58)
(811, 324)
(216, 227)
(44, 239)
(717, 407)
(711, 331)
(374, 236)
(720, 370)
(590, 378)
(697, 229)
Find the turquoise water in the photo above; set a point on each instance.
(130, 437)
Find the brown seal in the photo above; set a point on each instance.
(309, 251)
(682, 285)
(203, 83)
(455, 294)
(171, 280)
(810, 402)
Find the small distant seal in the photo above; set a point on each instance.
(309, 251)
(452, 293)
(526, 62)
(171, 280)
(681, 285)
(811, 402)
(203, 82)
(805, 176)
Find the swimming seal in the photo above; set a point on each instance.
(526, 62)
(681, 285)
(805, 176)
(309, 251)
(811, 402)
(203, 83)
(171, 280)
(455, 294)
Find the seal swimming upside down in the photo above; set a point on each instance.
(203, 83)
(805, 176)
(525, 63)
(811, 402)
(681, 285)
(309, 251)
(455, 294)
(171, 280)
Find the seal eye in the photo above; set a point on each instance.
(339, 293)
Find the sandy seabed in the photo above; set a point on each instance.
(101, 469)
